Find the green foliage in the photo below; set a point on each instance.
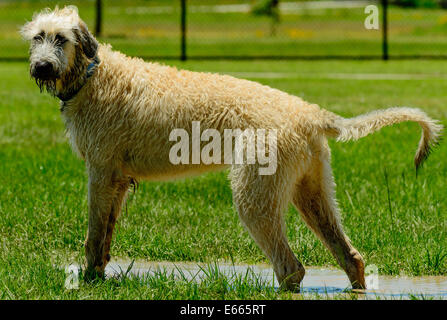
(265, 7)
(417, 3)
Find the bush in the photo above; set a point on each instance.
(264, 7)
(417, 3)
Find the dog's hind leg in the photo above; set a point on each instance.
(260, 201)
(314, 198)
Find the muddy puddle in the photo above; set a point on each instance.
(324, 282)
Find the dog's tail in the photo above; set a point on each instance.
(358, 127)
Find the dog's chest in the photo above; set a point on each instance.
(73, 131)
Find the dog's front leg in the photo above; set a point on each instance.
(122, 185)
(101, 192)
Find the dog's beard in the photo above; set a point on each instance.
(48, 85)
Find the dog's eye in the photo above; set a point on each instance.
(60, 39)
(39, 37)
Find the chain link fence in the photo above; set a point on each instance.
(237, 29)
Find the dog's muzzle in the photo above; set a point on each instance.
(43, 70)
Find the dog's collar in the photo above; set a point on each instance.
(70, 95)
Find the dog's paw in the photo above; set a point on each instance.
(94, 274)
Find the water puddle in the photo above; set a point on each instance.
(324, 282)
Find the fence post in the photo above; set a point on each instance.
(385, 30)
(183, 31)
(98, 22)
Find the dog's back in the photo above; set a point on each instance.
(140, 103)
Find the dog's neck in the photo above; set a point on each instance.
(76, 80)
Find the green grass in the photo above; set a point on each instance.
(43, 209)
(131, 27)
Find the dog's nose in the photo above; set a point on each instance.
(44, 70)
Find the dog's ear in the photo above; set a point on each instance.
(27, 30)
(86, 40)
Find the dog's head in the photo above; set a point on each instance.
(61, 46)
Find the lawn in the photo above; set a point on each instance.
(401, 228)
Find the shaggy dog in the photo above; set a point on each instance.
(119, 113)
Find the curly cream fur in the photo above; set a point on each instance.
(121, 118)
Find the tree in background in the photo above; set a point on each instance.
(267, 8)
